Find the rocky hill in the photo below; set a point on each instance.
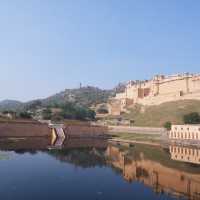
(10, 105)
(85, 96)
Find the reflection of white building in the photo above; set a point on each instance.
(171, 180)
(185, 132)
(185, 154)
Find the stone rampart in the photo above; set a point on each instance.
(159, 90)
(23, 129)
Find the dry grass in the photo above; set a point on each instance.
(137, 136)
(157, 115)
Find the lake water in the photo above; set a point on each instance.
(95, 170)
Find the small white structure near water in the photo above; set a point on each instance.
(185, 132)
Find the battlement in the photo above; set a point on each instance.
(161, 79)
(161, 89)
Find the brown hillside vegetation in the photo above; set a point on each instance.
(159, 114)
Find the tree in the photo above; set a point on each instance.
(47, 114)
(102, 111)
(25, 115)
(69, 110)
(34, 105)
(168, 125)
(91, 114)
(57, 117)
(192, 118)
(81, 113)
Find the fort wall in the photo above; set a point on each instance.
(158, 90)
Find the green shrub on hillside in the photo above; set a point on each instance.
(69, 111)
(102, 111)
(25, 115)
(158, 115)
(168, 125)
(47, 114)
(192, 118)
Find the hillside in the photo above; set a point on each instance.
(158, 115)
(85, 96)
(10, 105)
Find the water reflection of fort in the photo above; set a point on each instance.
(151, 166)
(185, 154)
(160, 177)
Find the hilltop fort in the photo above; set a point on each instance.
(158, 90)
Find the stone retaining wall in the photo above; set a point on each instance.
(85, 131)
(23, 129)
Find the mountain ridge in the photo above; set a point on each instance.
(85, 96)
(10, 104)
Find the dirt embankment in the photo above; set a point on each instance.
(135, 129)
(23, 129)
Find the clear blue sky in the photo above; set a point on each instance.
(49, 45)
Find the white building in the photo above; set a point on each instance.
(185, 132)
